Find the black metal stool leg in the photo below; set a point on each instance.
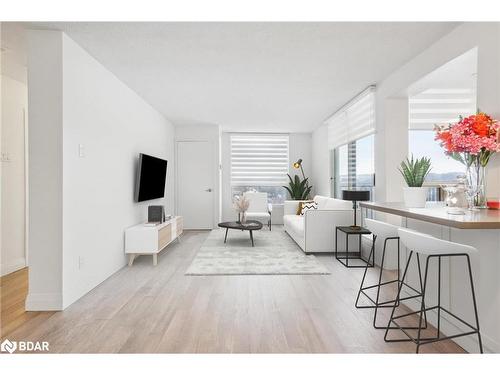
(379, 282)
(372, 253)
(421, 288)
(475, 304)
(439, 299)
(398, 296)
(422, 308)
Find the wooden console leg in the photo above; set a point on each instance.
(155, 259)
(131, 258)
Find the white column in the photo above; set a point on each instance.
(45, 170)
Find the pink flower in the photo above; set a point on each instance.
(473, 134)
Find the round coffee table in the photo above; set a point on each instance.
(249, 225)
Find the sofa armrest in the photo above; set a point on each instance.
(291, 207)
(320, 228)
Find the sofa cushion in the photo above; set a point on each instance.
(300, 206)
(308, 206)
(321, 201)
(326, 203)
(295, 223)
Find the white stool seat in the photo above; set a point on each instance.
(381, 229)
(428, 245)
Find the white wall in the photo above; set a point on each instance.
(299, 148)
(45, 170)
(14, 104)
(75, 101)
(210, 133)
(321, 172)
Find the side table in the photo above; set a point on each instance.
(344, 256)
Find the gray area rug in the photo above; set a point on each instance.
(275, 253)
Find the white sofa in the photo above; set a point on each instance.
(314, 232)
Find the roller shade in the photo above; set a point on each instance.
(259, 160)
(353, 121)
(440, 106)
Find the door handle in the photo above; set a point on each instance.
(208, 190)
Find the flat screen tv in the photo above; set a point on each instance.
(151, 177)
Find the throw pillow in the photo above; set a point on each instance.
(300, 205)
(308, 206)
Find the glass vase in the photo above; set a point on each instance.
(476, 177)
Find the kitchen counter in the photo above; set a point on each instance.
(480, 229)
(480, 219)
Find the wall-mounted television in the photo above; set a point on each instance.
(151, 178)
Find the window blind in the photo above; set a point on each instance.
(439, 106)
(353, 121)
(259, 160)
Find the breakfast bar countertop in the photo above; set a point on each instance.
(437, 214)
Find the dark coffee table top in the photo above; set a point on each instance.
(249, 225)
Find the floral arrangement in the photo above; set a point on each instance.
(472, 139)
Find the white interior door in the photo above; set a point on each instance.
(195, 184)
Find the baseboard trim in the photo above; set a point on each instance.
(44, 302)
(13, 266)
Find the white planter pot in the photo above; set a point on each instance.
(415, 197)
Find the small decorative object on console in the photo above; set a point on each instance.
(156, 214)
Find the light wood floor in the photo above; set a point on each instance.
(13, 291)
(150, 309)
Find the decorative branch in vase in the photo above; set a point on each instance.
(472, 141)
(241, 204)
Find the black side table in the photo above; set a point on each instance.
(344, 256)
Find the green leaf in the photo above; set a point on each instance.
(415, 171)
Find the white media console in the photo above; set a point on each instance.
(144, 239)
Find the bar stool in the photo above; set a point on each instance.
(386, 232)
(432, 247)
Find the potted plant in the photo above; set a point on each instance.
(297, 188)
(414, 171)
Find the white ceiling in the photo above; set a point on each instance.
(251, 76)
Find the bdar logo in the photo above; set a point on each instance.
(8, 346)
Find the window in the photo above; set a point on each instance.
(354, 166)
(430, 107)
(259, 163)
(437, 106)
(444, 169)
(351, 139)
